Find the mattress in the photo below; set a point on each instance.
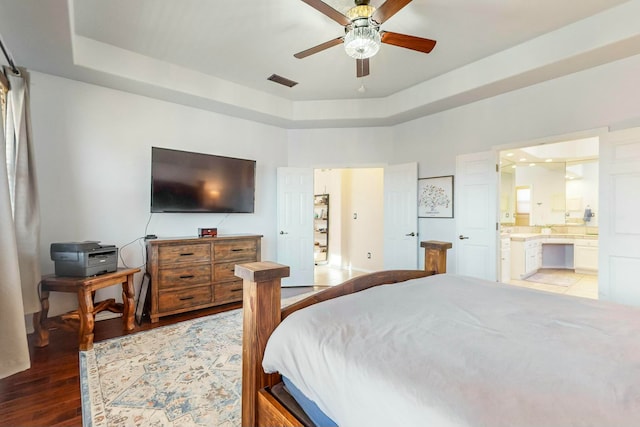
(447, 350)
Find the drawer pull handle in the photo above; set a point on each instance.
(237, 250)
(187, 254)
(236, 290)
(185, 298)
(187, 276)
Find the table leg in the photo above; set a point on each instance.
(128, 299)
(40, 320)
(85, 300)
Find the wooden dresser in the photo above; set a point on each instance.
(193, 273)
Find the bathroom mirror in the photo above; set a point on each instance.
(550, 184)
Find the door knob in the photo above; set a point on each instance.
(461, 237)
(283, 232)
(411, 234)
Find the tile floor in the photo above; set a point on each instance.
(556, 280)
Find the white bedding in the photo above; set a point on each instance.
(453, 351)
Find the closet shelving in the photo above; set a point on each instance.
(321, 228)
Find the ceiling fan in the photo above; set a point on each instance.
(362, 32)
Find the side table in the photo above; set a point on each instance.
(85, 288)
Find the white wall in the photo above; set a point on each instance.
(93, 147)
(354, 191)
(93, 159)
(547, 192)
(363, 217)
(598, 97)
(336, 148)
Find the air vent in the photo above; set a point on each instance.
(282, 80)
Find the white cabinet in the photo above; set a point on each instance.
(533, 255)
(527, 255)
(585, 256)
(505, 259)
(526, 258)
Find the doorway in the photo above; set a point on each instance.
(349, 241)
(548, 217)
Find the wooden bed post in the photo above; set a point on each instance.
(261, 315)
(435, 255)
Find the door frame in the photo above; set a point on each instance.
(588, 133)
(368, 166)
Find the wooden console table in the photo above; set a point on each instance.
(85, 288)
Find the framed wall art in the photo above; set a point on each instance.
(435, 197)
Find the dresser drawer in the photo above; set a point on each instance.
(184, 276)
(225, 271)
(184, 298)
(228, 292)
(194, 273)
(183, 254)
(236, 250)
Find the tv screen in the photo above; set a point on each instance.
(182, 181)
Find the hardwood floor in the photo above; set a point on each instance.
(48, 394)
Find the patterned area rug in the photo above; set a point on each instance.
(187, 374)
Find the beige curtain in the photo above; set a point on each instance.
(19, 227)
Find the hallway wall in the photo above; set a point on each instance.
(355, 216)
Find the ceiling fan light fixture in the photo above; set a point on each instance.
(360, 11)
(362, 42)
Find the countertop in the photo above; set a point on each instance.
(532, 236)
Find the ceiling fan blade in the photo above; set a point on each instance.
(319, 48)
(388, 9)
(329, 11)
(362, 67)
(408, 42)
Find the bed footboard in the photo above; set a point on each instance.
(262, 313)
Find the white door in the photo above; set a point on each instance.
(619, 227)
(476, 212)
(401, 216)
(295, 224)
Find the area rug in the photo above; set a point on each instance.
(186, 374)
(554, 277)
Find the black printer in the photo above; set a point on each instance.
(82, 259)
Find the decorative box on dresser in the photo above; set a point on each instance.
(193, 273)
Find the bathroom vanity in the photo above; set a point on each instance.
(530, 252)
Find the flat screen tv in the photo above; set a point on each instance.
(182, 181)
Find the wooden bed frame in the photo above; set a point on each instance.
(262, 313)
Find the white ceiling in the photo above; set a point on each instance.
(217, 55)
(549, 155)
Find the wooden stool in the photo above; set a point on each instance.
(85, 288)
(435, 255)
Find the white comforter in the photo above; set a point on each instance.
(453, 351)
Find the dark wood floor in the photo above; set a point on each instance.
(48, 394)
